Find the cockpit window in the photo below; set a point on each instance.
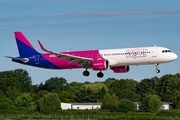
(165, 51)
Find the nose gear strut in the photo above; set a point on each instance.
(157, 66)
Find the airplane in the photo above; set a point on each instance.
(119, 60)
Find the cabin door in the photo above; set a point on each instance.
(37, 59)
(154, 52)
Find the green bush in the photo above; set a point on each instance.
(125, 106)
(167, 113)
(4, 106)
(150, 103)
(50, 103)
(23, 100)
(125, 117)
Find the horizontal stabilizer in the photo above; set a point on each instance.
(21, 59)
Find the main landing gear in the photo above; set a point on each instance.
(99, 74)
(86, 73)
(157, 70)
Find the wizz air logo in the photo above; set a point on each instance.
(136, 53)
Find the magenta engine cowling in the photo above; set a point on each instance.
(121, 69)
(100, 65)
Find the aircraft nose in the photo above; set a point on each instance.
(174, 56)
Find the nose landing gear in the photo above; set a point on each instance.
(157, 66)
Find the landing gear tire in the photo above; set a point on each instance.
(157, 71)
(86, 73)
(100, 74)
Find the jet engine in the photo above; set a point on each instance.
(121, 69)
(100, 65)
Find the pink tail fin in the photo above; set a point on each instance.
(24, 46)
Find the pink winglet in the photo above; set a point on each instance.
(41, 45)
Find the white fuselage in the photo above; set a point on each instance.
(138, 56)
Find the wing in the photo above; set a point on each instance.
(85, 62)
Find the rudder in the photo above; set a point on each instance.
(24, 46)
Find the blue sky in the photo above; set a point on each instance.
(76, 25)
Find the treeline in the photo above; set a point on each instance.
(18, 93)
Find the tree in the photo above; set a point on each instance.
(5, 103)
(41, 87)
(49, 103)
(35, 88)
(166, 86)
(86, 95)
(40, 94)
(176, 100)
(12, 93)
(98, 90)
(1, 94)
(167, 98)
(37, 97)
(75, 86)
(67, 97)
(5, 83)
(95, 87)
(24, 100)
(102, 92)
(109, 81)
(126, 94)
(107, 101)
(4, 106)
(145, 87)
(115, 99)
(24, 79)
(125, 106)
(18, 78)
(5, 99)
(120, 85)
(133, 84)
(56, 85)
(150, 103)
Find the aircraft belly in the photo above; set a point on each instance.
(65, 65)
(121, 61)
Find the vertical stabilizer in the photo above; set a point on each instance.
(24, 46)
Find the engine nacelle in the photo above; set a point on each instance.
(100, 65)
(121, 69)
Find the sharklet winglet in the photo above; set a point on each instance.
(41, 45)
